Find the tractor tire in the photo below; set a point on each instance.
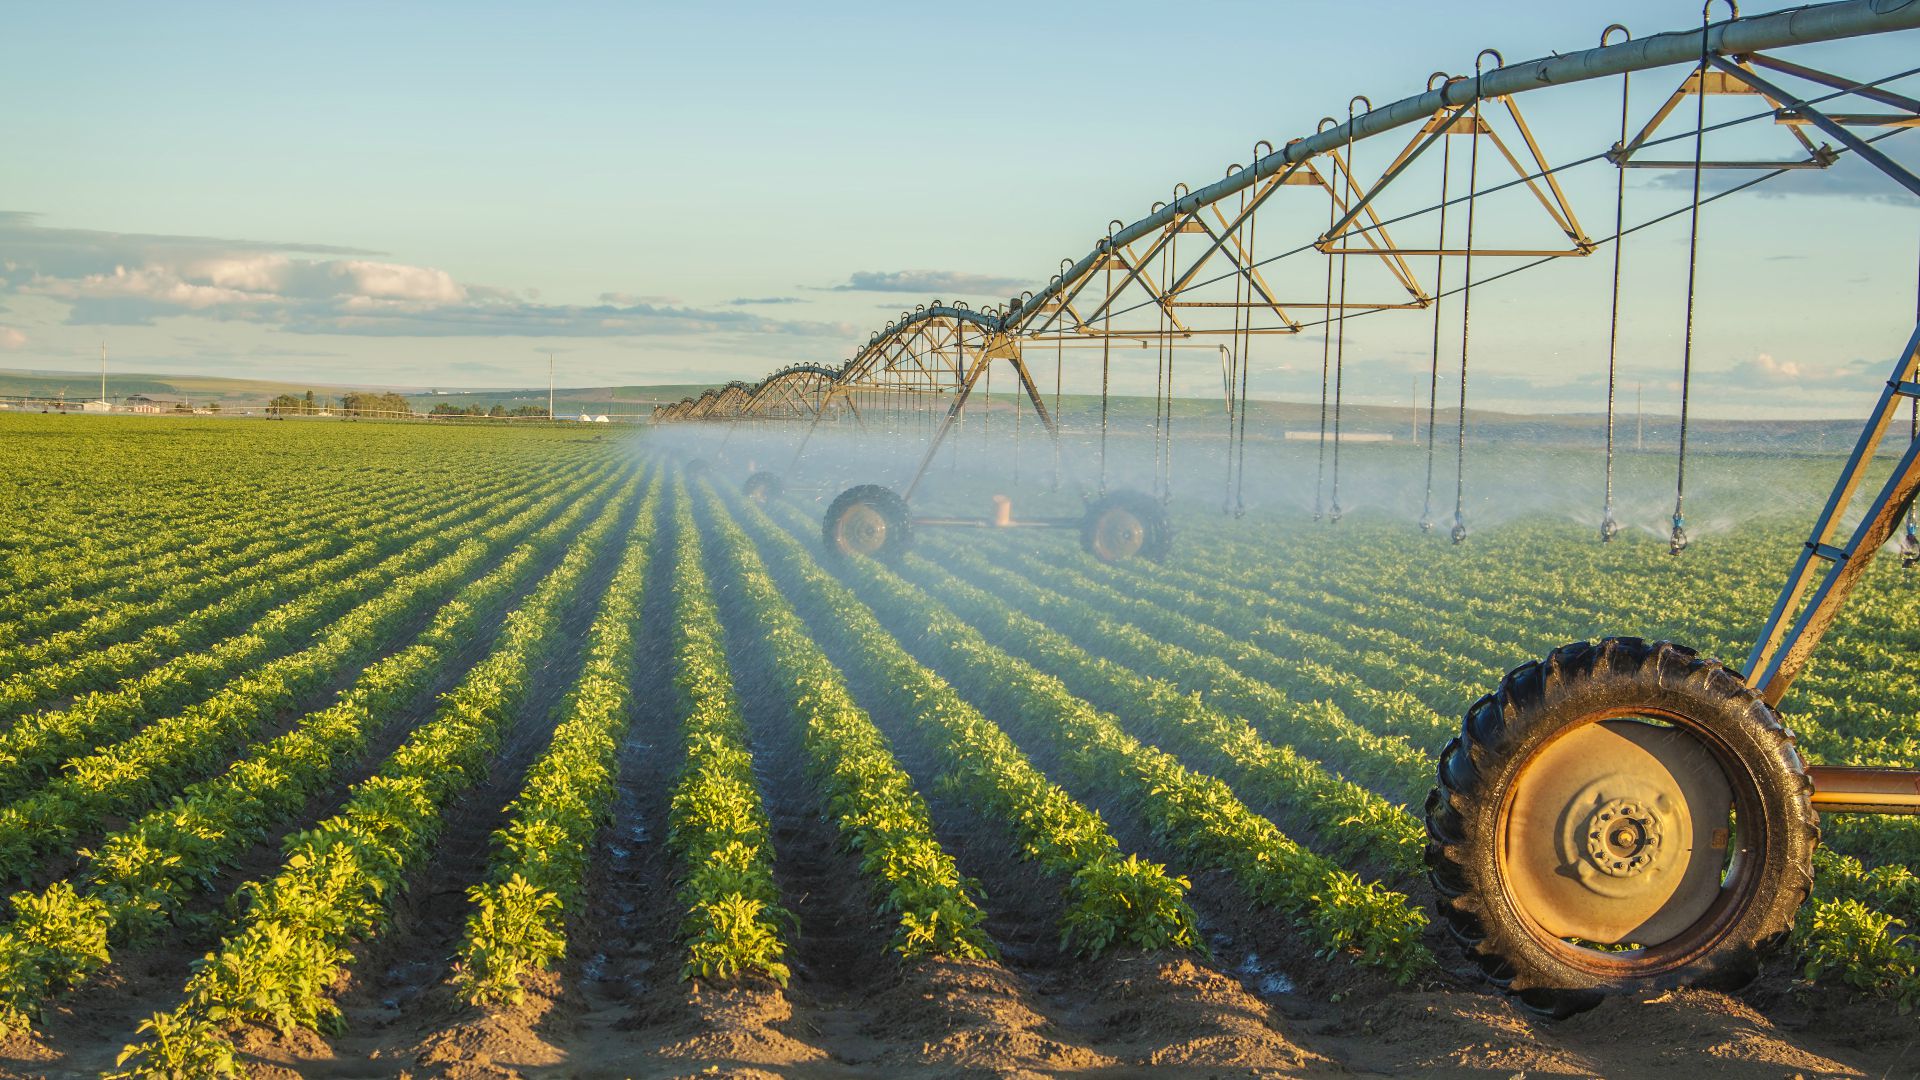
(867, 520)
(1581, 806)
(762, 487)
(1125, 525)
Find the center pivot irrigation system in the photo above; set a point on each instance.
(1623, 813)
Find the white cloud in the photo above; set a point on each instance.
(928, 282)
(301, 288)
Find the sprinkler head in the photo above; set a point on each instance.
(1336, 512)
(1677, 543)
(1909, 546)
(1609, 528)
(1459, 533)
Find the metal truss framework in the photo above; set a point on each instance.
(1202, 269)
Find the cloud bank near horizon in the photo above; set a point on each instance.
(132, 279)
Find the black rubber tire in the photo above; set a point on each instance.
(762, 487)
(887, 503)
(1538, 701)
(1158, 539)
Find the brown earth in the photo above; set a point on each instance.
(1259, 1005)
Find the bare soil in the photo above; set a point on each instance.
(1258, 1004)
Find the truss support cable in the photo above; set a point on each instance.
(1439, 293)
(1677, 540)
(1609, 527)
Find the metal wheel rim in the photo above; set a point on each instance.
(1739, 885)
(1118, 534)
(861, 530)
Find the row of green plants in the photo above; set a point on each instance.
(1881, 841)
(1111, 900)
(1195, 813)
(717, 826)
(342, 877)
(41, 743)
(166, 598)
(537, 873)
(1350, 823)
(869, 797)
(104, 528)
(224, 637)
(132, 775)
(1850, 932)
(137, 880)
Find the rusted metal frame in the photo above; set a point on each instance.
(1422, 139)
(946, 425)
(1557, 206)
(1146, 285)
(1033, 395)
(1798, 26)
(1244, 267)
(1379, 242)
(1624, 157)
(1778, 653)
(1834, 82)
(1865, 789)
(1280, 180)
(1099, 265)
(1133, 273)
(1569, 222)
(1873, 155)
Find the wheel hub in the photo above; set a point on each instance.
(1119, 535)
(862, 530)
(1623, 838)
(1617, 832)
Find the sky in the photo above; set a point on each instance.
(441, 195)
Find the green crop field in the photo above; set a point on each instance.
(391, 750)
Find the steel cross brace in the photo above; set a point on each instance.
(1781, 653)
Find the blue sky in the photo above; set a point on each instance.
(440, 194)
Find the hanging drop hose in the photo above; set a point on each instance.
(1609, 528)
(1106, 355)
(1439, 291)
(1352, 190)
(1230, 356)
(1459, 531)
(1059, 355)
(1169, 261)
(1246, 348)
(1677, 541)
(1159, 363)
(1326, 351)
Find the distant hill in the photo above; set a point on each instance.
(234, 393)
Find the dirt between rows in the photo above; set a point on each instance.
(1258, 1004)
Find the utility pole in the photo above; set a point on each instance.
(549, 388)
(1639, 427)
